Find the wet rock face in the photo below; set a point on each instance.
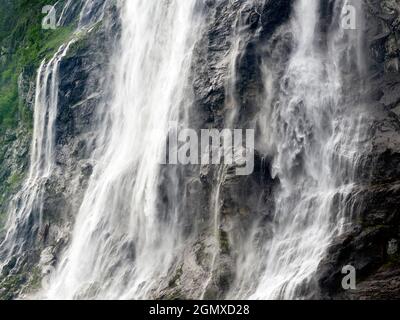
(233, 27)
(371, 246)
(81, 88)
(226, 75)
(248, 28)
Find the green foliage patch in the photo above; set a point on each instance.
(23, 45)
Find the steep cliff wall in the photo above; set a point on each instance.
(228, 72)
(24, 46)
(372, 247)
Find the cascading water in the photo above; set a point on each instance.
(312, 132)
(26, 209)
(118, 219)
(91, 12)
(127, 237)
(120, 247)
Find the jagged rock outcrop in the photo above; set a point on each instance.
(223, 82)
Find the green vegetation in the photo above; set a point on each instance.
(10, 285)
(224, 242)
(26, 282)
(23, 44)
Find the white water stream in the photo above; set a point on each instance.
(118, 230)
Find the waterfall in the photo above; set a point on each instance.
(313, 131)
(121, 247)
(25, 213)
(92, 11)
(26, 208)
(126, 236)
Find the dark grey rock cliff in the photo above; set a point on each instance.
(232, 27)
(372, 246)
